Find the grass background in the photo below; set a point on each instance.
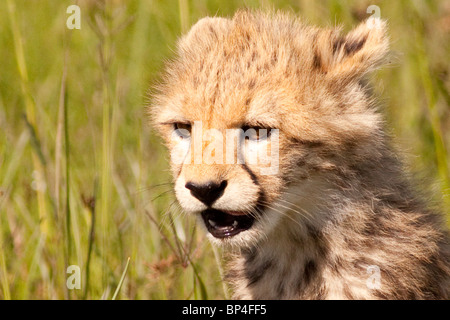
(84, 181)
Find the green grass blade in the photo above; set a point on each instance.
(121, 280)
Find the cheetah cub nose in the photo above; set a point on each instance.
(207, 192)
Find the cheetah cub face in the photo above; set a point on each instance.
(258, 112)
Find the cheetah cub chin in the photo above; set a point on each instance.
(277, 147)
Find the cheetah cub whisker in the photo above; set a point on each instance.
(338, 204)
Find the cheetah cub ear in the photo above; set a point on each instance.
(352, 56)
(202, 34)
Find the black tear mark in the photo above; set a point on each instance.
(251, 174)
(261, 194)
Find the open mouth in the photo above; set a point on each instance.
(225, 225)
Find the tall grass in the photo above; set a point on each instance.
(83, 179)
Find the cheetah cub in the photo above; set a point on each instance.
(277, 147)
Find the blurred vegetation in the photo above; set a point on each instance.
(83, 179)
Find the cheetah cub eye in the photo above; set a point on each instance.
(182, 130)
(256, 134)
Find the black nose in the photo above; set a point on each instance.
(208, 192)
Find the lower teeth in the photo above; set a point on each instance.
(214, 224)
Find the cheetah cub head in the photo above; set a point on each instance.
(259, 112)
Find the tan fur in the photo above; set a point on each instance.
(340, 201)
